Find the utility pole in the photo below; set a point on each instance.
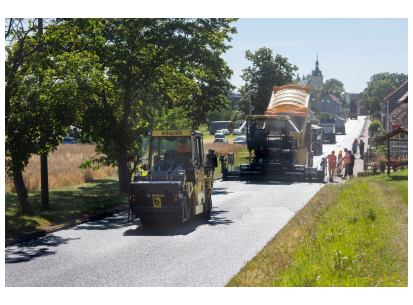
(43, 157)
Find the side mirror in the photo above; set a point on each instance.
(143, 167)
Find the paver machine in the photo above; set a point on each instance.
(178, 185)
(279, 142)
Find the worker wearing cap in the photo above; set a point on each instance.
(346, 163)
(332, 162)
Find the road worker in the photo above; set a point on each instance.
(183, 148)
(332, 163)
(346, 163)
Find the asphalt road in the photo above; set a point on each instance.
(111, 252)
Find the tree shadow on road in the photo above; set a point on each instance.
(35, 248)
(111, 221)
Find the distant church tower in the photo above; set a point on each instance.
(317, 77)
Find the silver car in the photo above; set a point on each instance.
(219, 134)
(240, 140)
(221, 141)
(226, 131)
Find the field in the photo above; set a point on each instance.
(63, 167)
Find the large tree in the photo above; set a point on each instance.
(267, 71)
(147, 70)
(36, 115)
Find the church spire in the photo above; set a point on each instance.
(316, 63)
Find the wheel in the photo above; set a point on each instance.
(208, 206)
(190, 211)
(146, 222)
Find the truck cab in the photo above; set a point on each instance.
(177, 184)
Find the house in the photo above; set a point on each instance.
(389, 104)
(398, 117)
(329, 103)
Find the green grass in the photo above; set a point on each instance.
(351, 234)
(66, 203)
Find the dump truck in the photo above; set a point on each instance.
(329, 130)
(178, 183)
(340, 125)
(353, 110)
(279, 142)
(316, 139)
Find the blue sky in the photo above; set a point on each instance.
(350, 50)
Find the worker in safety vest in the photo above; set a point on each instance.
(183, 148)
(346, 163)
(332, 163)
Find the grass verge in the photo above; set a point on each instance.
(66, 203)
(350, 234)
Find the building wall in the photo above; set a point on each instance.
(329, 105)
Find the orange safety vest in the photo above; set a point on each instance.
(183, 148)
(347, 158)
(331, 159)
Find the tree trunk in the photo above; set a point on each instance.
(43, 158)
(123, 169)
(44, 174)
(21, 190)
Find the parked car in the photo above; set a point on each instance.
(221, 140)
(240, 140)
(219, 134)
(226, 131)
(69, 140)
(238, 131)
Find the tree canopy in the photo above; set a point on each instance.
(267, 71)
(379, 86)
(146, 74)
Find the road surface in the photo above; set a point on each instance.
(111, 252)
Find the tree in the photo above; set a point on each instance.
(378, 92)
(373, 95)
(334, 87)
(267, 71)
(36, 116)
(148, 70)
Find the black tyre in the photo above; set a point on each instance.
(320, 176)
(191, 212)
(208, 206)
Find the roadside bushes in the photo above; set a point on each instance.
(375, 126)
(395, 163)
